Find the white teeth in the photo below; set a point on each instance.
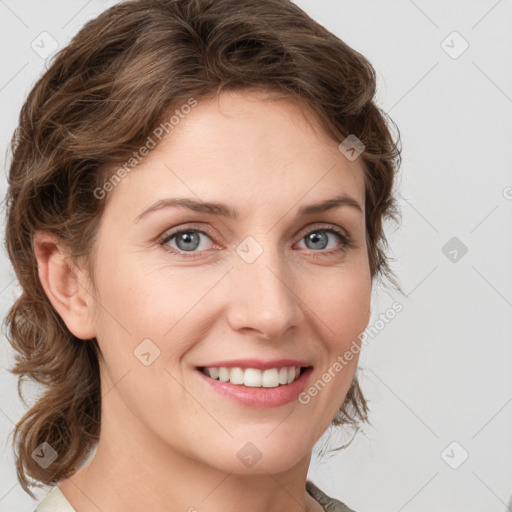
(270, 378)
(253, 377)
(283, 376)
(236, 376)
(223, 374)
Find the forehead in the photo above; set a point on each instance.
(247, 148)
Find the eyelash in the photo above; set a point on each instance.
(346, 241)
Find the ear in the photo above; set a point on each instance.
(65, 285)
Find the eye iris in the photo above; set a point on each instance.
(188, 238)
(315, 238)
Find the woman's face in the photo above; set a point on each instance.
(267, 289)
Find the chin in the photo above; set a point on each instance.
(256, 454)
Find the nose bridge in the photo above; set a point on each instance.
(263, 295)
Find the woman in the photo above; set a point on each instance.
(195, 210)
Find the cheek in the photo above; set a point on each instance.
(342, 305)
(159, 303)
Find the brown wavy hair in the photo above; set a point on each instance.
(96, 104)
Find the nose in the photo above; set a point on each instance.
(263, 296)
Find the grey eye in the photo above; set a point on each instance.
(317, 240)
(187, 240)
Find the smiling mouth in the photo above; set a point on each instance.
(254, 377)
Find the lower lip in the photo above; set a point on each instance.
(259, 397)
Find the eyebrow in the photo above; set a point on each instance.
(224, 210)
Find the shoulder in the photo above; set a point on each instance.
(54, 501)
(329, 504)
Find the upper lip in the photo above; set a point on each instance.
(257, 363)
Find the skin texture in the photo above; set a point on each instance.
(168, 441)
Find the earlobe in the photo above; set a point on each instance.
(63, 283)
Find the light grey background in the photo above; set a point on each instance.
(440, 371)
